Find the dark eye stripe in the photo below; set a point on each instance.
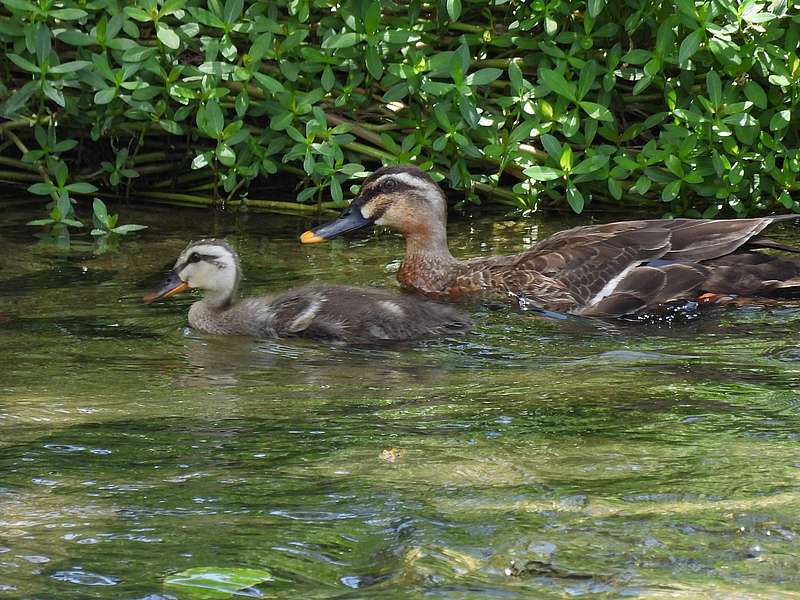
(196, 257)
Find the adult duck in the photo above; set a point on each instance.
(608, 270)
(318, 311)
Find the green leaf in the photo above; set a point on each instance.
(232, 11)
(483, 76)
(372, 18)
(454, 9)
(81, 187)
(565, 160)
(373, 59)
(68, 14)
(105, 96)
(41, 189)
(637, 56)
(23, 63)
(336, 191)
(100, 211)
(168, 37)
(269, 83)
(56, 95)
(342, 40)
(675, 165)
(43, 43)
(123, 229)
(642, 185)
(755, 93)
(397, 92)
(40, 222)
(551, 145)
(217, 582)
(671, 191)
(21, 5)
(556, 82)
(207, 18)
(76, 38)
(137, 14)
(437, 88)
(215, 121)
(70, 67)
(596, 7)
(689, 46)
(515, 75)
(780, 80)
(614, 188)
(327, 80)
(714, 86)
(540, 173)
(575, 199)
(281, 121)
(591, 164)
(596, 111)
(780, 120)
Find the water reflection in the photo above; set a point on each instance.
(532, 458)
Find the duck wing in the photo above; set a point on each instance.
(361, 315)
(621, 268)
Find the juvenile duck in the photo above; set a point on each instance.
(317, 311)
(608, 270)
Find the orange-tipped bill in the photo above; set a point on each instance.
(309, 237)
(350, 220)
(171, 286)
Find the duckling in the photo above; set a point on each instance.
(316, 311)
(611, 270)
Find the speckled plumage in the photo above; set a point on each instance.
(318, 311)
(607, 270)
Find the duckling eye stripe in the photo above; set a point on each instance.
(200, 257)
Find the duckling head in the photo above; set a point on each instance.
(209, 265)
(403, 198)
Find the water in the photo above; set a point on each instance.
(531, 458)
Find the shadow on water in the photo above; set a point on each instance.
(534, 457)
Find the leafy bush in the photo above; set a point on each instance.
(688, 106)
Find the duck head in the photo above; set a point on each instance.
(403, 198)
(209, 265)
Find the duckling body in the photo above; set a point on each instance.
(316, 311)
(608, 270)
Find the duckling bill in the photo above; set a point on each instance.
(316, 311)
(610, 270)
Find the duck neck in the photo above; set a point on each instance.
(428, 261)
(218, 299)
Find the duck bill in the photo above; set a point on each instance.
(351, 220)
(171, 286)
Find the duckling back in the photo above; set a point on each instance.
(336, 313)
(361, 315)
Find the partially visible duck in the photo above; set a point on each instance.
(317, 311)
(608, 270)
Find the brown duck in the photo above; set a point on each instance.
(316, 311)
(608, 270)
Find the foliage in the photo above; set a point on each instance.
(689, 106)
(217, 582)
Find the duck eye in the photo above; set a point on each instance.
(389, 185)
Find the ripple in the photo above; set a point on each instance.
(80, 577)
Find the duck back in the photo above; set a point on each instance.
(361, 315)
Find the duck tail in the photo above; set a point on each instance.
(772, 245)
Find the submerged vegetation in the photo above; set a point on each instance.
(687, 108)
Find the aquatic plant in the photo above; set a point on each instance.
(687, 108)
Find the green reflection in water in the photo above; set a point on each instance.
(533, 458)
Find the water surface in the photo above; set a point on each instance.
(532, 458)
